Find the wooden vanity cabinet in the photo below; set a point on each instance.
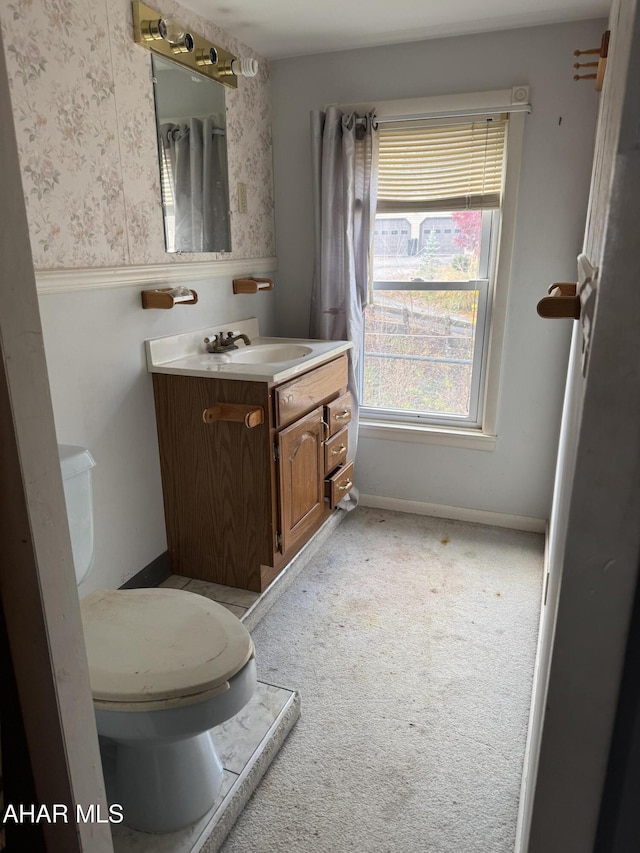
(240, 502)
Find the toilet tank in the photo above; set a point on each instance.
(76, 464)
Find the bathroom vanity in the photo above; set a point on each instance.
(253, 450)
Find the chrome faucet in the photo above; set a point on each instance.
(222, 344)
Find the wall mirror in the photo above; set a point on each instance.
(192, 150)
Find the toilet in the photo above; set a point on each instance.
(166, 666)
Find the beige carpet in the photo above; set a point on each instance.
(412, 642)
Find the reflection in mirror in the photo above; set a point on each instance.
(192, 148)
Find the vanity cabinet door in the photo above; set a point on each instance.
(301, 478)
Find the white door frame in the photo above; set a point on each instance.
(37, 578)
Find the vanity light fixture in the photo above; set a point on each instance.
(171, 40)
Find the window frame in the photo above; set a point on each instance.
(516, 102)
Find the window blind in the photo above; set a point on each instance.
(435, 166)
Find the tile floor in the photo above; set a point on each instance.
(238, 601)
(248, 742)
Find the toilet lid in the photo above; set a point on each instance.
(145, 645)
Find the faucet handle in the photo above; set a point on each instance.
(212, 345)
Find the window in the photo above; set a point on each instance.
(427, 324)
(168, 199)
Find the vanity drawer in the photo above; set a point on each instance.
(338, 413)
(335, 450)
(339, 484)
(295, 398)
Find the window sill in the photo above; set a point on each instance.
(469, 439)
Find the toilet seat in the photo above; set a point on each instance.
(160, 648)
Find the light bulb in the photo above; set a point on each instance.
(244, 67)
(171, 31)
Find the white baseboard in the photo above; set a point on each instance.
(458, 513)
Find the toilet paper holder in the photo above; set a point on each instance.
(167, 297)
(251, 284)
(562, 302)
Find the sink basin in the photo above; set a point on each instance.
(268, 353)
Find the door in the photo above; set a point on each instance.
(594, 543)
(301, 478)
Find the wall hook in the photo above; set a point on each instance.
(601, 65)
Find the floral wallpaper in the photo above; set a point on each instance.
(83, 109)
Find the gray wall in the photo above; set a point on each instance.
(517, 477)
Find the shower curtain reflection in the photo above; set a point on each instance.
(194, 186)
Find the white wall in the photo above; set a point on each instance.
(517, 477)
(103, 399)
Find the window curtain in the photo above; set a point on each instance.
(196, 156)
(344, 163)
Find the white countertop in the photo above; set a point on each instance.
(185, 355)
